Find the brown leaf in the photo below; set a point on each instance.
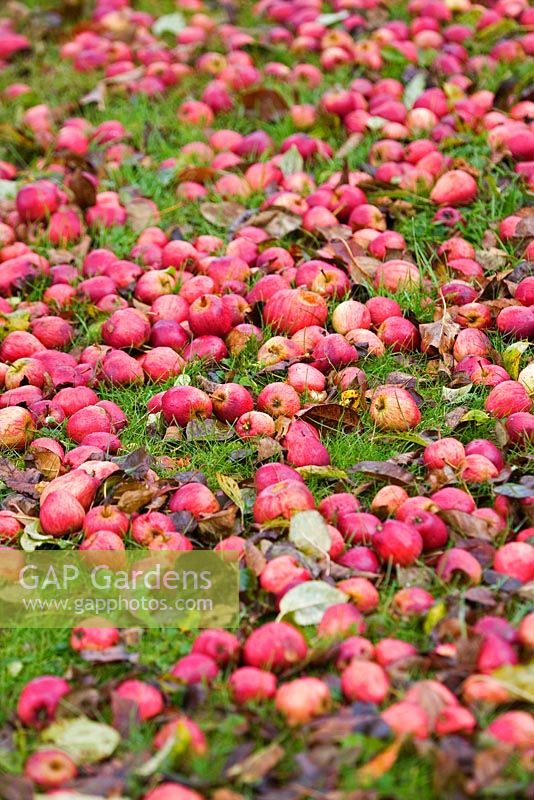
(222, 215)
(492, 259)
(220, 524)
(268, 448)
(385, 470)
(207, 430)
(439, 335)
(13, 787)
(525, 228)
(84, 702)
(253, 768)
(254, 558)
(110, 655)
(23, 481)
(197, 174)
(141, 214)
(466, 525)
(132, 500)
(125, 714)
(267, 104)
(489, 763)
(331, 415)
(277, 222)
(83, 189)
(96, 95)
(349, 145)
(47, 462)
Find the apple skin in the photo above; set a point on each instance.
(398, 542)
(282, 499)
(302, 699)
(289, 310)
(195, 498)
(393, 408)
(365, 682)
(250, 684)
(50, 768)
(513, 728)
(16, 427)
(509, 397)
(220, 645)
(456, 561)
(172, 791)
(61, 514)
(230, 401)
(279, 399)
(454, 188)
(195, 668)
(405, 718)
(184, 403)
(39, 699)
(147, 698)
(275, 646)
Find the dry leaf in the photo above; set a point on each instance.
(266, 104)
(277, 222)
(257, 765)
(331, 415)
(385, 470)
(381, 763)
(141, 214)
(222, 215)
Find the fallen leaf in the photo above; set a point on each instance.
(83, 189)
(257, 765)
(47, 462)
(254, 558)
(308, 531)
(439, 335)
(220, 524)
(207, 430)
(454, 396)
(518, 679)
(466, 525)
(111, 655)
(13, 787)
(23, 481)
(223, 214)
(268, 448)
(308, 601)
(291, 162)
(325, 472)
(197, 174)
(169, 23)
(231, 489)
(131, 500)
(141, 214)
(96, 96)
(125, 715)
(331, 415)
(381, 763)
(266, 104)
(384, 470)
(413, 89)
(277, 222)
(86, 742)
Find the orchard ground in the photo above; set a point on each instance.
(466, 762)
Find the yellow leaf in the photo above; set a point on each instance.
(381, 763)
(231, 489)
